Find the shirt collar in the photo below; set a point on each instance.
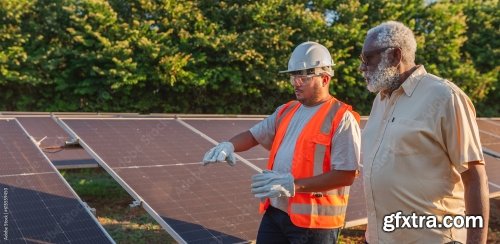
(410, 83)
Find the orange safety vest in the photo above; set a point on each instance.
(311, 157)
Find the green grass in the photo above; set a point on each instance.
(94, 183)
(352, 235)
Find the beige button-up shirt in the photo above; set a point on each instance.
(414, 147)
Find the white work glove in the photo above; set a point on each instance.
(220, 153)
(272, 184)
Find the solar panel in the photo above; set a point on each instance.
(38, 204)
(493, 171)
(489, 125)
(158, 162)
(52, 136)
(490, 143)
(489, 132)
(223, 129)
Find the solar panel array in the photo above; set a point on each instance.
(38, 205)
(157, 160)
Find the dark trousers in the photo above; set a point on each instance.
(276, 228)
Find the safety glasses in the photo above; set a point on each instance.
(366, 56)
(299, 80)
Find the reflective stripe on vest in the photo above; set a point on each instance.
(312, 157)
(285, 110)
(320, 149)
(299, 208)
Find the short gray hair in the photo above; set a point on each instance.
(395, 34)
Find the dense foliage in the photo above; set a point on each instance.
(208, 56)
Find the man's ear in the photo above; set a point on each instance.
(397, 57)
(326, 79)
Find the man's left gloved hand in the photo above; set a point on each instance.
(272, 184)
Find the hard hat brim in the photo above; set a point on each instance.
(285, 71)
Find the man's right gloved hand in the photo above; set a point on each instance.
(273, 184)
(220, 153)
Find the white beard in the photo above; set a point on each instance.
(384, 78)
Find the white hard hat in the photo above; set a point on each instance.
(309, 55)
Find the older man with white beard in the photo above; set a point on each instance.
(420, 149)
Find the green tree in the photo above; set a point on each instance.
(483, 47)
(14, 81)
(222, 56)
(442, 29)
(255, 39)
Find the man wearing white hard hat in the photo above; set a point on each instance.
(314, 145)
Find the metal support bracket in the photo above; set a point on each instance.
(135, 204)
(72, 143)
(92, 210)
